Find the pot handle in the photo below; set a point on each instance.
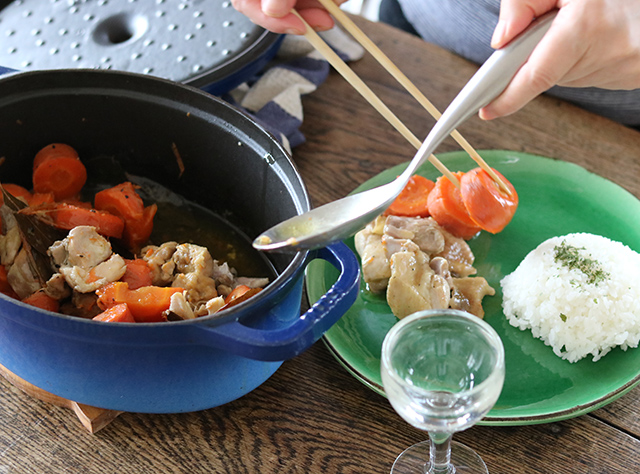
(285, 343)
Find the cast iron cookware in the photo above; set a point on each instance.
(202, 43)
(232, 167)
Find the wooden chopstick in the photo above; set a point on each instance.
(359, 85)
(405, 82)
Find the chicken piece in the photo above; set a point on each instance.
(180, 307)
(210, 307)
(252, 282)
(160, 260)
(83, 247)
(10, 244)
(196, 269)
(467, 294)
(57, 288)
(20, 276)
(393, 245)
(215, 304)
(85, 259)
(223, 275)
(376, 269)
(425, 233)
(459, 255)
(440, 266)
(82, 305)
(414, 286)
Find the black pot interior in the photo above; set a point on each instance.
(184, 139)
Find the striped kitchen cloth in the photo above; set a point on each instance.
(274, 97)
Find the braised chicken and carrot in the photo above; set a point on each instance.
(417, 252)
(94, 258)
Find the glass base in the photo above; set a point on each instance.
(415, 460)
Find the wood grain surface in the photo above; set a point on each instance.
(312, 416)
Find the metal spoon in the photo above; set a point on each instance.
(340, 219)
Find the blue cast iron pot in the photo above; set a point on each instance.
(232, 167)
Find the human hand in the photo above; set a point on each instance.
(276, 16)
(591, 43)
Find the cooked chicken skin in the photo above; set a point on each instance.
(413, 285)
(468, 293)
(160, 259)
(376, 269)
(194, 273)
(420, 266)
(86, 261)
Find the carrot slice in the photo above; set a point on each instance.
(54, 150)
(38, 199)
(66, 216)
(413, 200)
(123, 201)
(137, 274)
(63, 176)
(146, 303)
(119, 313)
(239, 294)
(447, 208)
(40, 299)
(77, 203)
(137, 233)
(5, 286)
(490, 207)
(16, 191)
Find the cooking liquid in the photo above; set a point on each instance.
(184, 221)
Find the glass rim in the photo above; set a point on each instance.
(489, 332)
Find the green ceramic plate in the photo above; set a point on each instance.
(556, 198)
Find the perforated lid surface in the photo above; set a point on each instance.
(180, 40)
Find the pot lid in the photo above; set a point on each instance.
(189, 41)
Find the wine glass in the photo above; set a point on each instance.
(442, 371)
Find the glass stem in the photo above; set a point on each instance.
(440, 454)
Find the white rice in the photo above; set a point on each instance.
(575, 316)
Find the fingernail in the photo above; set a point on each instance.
(293, 31)
(320, 28)
(272, 8)
(498, 34)
(485, 115)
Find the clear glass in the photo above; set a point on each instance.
(442, 371)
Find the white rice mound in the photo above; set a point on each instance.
(562, 307)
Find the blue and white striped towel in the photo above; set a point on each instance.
(274, 97)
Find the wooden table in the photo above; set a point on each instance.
(312, 416)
